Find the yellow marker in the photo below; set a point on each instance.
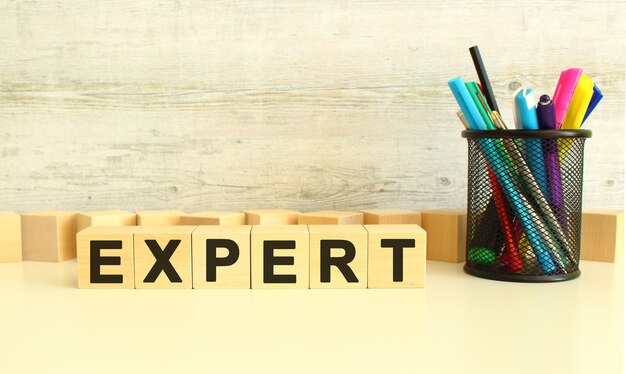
(578, 106)
(576, 112)
(526, 253)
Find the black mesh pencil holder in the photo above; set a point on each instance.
(524, 200)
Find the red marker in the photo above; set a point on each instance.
(514, 261)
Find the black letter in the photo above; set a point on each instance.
(269, 260)
(340, 262)
(397, 245)
(162, 261)
(96, 261)
(212, 261)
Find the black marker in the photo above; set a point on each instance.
(484, 78)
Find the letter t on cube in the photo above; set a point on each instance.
(396, 256)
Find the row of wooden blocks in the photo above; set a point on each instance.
(264, 256)
(50, 235)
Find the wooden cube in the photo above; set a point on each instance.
(105, 218)
(10, 237)
(391, 217)
(221, 257)
(446, 230)
(271, 217)
(602, 236)
(214, 218)
(279, 256)
(396, 256)
(163, 257)
(49, 236)
(150, 218)
(338, 256)
(330, 217)
(105, 257)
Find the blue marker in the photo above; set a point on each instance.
(525, 109)
(595, 99)
(526, 119)
(463, 97)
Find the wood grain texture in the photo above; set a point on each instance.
(48, 236)
(381, 266)
(602, 235)
(10, 237)
(293, 248)
(178, 238)
(105, 218)
(120, 245)
(446, 239)
(236, 275)
(356, 235)
(391, 217)
(214, 218)
(306, 105)
(331, 217)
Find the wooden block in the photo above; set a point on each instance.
(391, 217)
(10, 237)
(105, 257)
(163, 257)
(105, 218)
(149, 218)
(214, 218)
(271, 217)
(602, 235)
(49, 236)
(396, 256)
(279, 256)
(330, 217)
(338, 256)
(446, 230)
(221, 256)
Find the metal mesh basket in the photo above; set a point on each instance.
(524, 199)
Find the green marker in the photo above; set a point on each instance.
(481, 104)
(481, 256)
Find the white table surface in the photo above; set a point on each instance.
(457, 324)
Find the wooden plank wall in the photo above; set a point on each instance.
(298, 104)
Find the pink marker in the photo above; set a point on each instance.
(564, 92)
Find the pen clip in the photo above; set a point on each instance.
(497, 120)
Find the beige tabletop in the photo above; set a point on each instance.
(457, 324)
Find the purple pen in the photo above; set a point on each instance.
(547, 121)
(545, 113)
